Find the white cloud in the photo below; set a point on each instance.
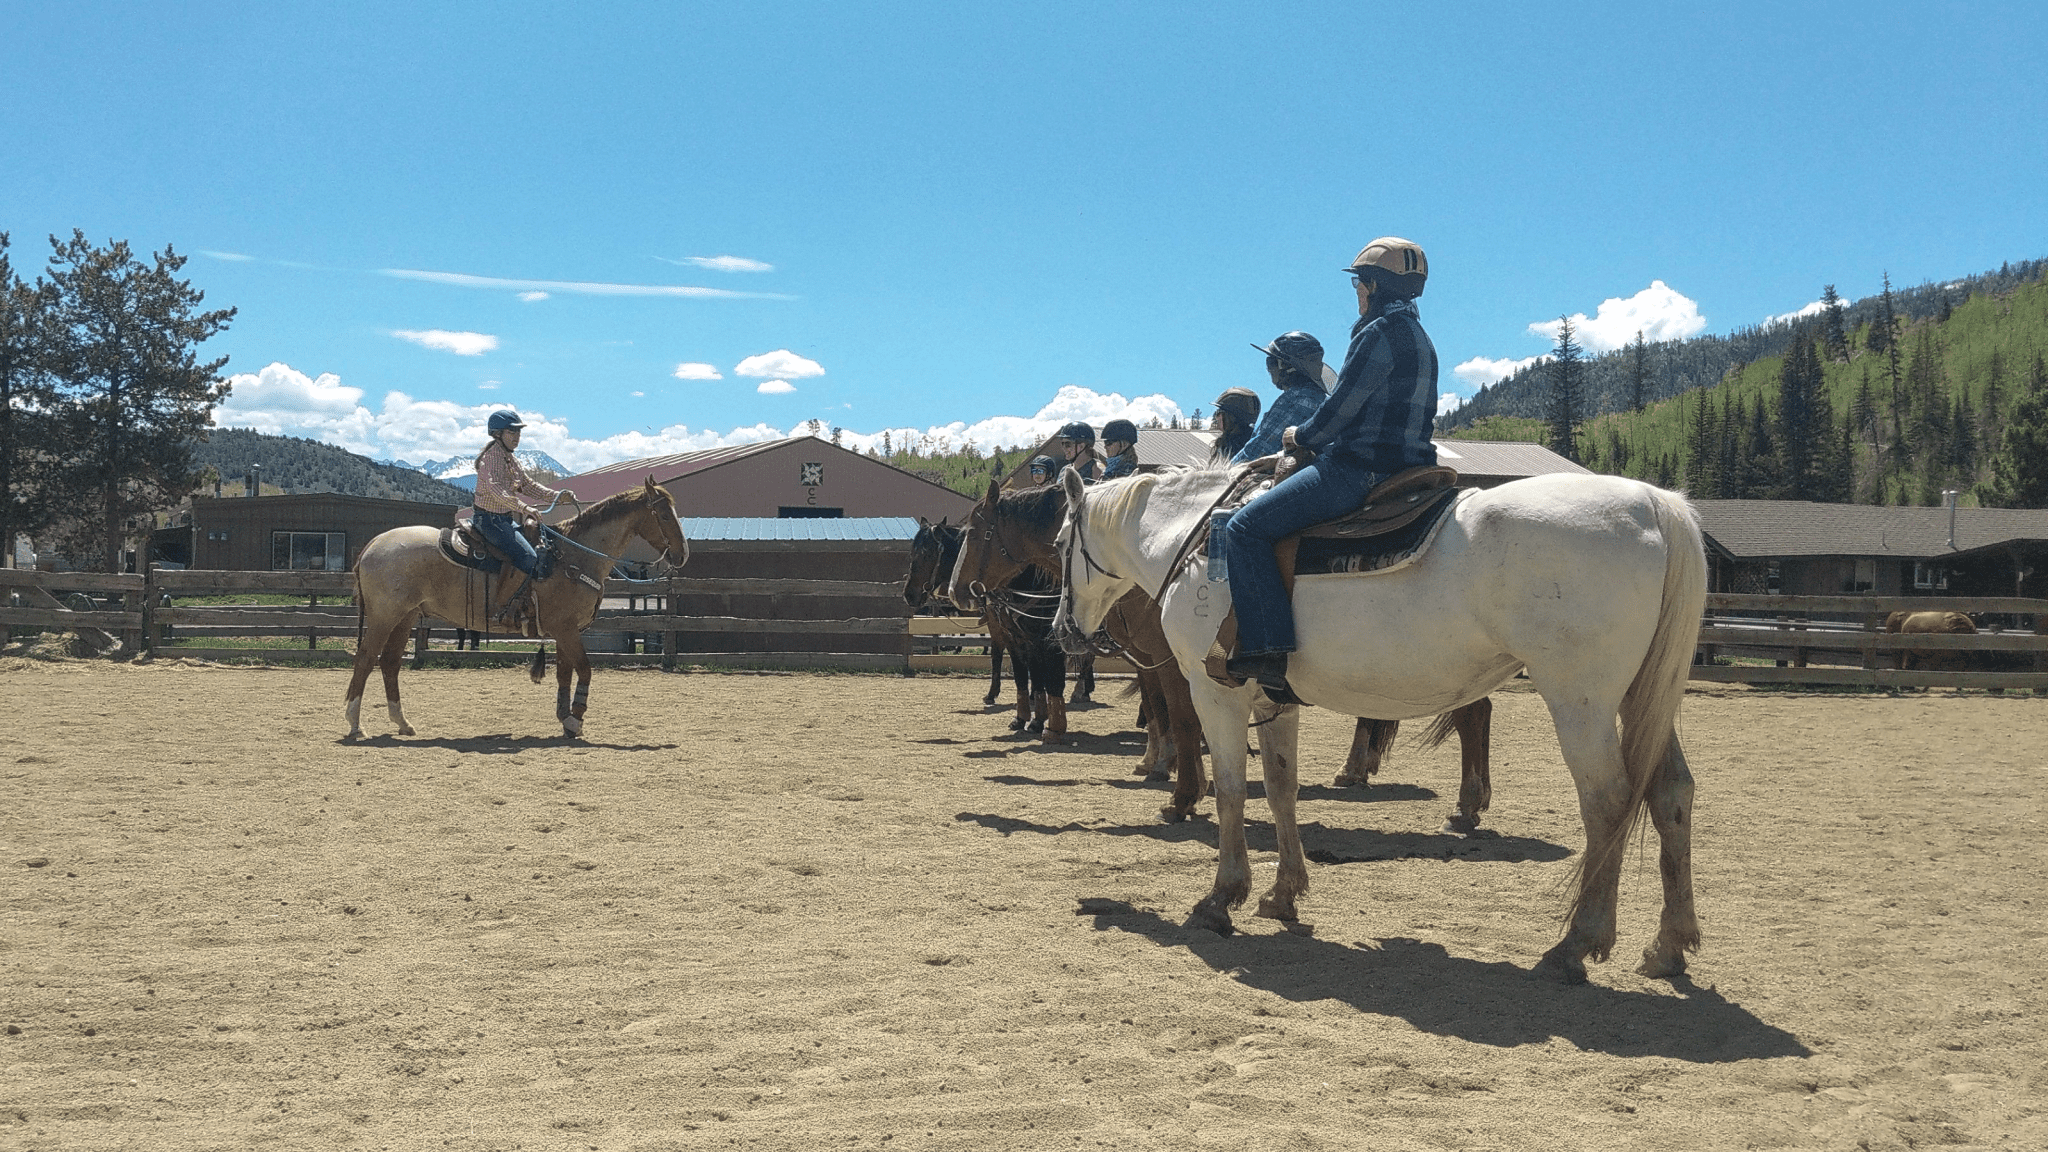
(775, 387)
(531, 297)
(690, 370)
(781, 362)
(1813, 309)
(582, 287)
(722, 263)
(460, 343)
(1658, 312)
(233, 257)
(1449, 402)
(1482, 370)
(281, 400)
(488, 386)
(638, 393)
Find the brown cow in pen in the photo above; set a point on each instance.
(1937, 624)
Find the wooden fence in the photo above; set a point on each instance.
(737, 622)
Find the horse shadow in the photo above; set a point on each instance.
(1491, 1003)
(1254, 789)
(1321, 843)
(504, 744)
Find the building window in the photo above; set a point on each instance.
(1774, 577)
(806, 512)
(1863, 577)
(1929, 575)
(309, 551)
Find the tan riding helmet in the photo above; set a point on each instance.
(1394, 263)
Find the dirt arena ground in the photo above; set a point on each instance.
(803, 911)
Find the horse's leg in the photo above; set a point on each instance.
(571, 662)
(995, 673)
(1224, 716)
(1279, 746)
(1186, 727)
(368, 648)
(1055, 665)
(1152, 718)
(1084, 680)
(1587, 735)
(1370, 742)
(391, 659)
(1475, 756)
(1670, 804)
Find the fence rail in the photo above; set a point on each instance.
(793, 622)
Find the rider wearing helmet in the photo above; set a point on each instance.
(1044, 470)
(1078, 442)
(1375, 424)
(1120, 441)
(1237, 413)
(1294, 361)
(502, 490)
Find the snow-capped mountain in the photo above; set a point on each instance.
(461, 470)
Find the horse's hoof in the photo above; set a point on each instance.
(1273, 909)
(1460, 824)
(1036, 726)
(354, 736)
(1658, 967)
(405, 730)
(1052, 738)
(1016, 725)
(1172, 815)
(1558, 967)
(1157, 775)
(1211, 918)
(572, 727)
(1345, 780)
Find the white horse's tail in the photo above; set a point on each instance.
(1649, 711)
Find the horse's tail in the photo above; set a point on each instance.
(1440, 730)
(1649, 711)
(357, 573)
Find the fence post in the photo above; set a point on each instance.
(2041, 656)
(312, 635)
(149, 609)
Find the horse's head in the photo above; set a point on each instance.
(1088, 588)
(657, 524)
(1006, 533)
(927, 560)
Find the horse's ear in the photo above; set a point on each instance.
(942, 522)
(923, 525)
(1070, 483)
(995, 491)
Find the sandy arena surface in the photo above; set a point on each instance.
(773, 911)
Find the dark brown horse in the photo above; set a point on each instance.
(933, 552)
(402, 575)
(1008, 530)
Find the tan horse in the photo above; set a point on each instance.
(402, 575)
(1934, 623)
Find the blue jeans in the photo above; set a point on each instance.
(503, 532)
(1322, 491)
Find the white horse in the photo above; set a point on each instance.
(1594, 584)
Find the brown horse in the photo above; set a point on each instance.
(402, 575)
(1937, 624)
(1009, 530)
(933, 552)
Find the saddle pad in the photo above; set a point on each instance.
(462, 546)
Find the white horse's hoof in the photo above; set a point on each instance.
(572, 727)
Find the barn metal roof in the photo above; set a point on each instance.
(771, 528)
(1750, 529)
(1509, 458)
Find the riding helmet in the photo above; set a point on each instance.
(1078, 432)
(505, 419)
(1242, 404)
(1394, 265)
(1045, 465)
(1299, 351)
(1120, 430)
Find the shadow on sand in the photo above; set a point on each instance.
(497, 745)
(1495, 1003)
(1323, 844)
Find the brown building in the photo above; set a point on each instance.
(802, 477)
(318, 531)
(1801, 548)
(1480, 463)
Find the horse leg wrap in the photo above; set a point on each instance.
(1055, 719)
(581, 703)
(562, 702)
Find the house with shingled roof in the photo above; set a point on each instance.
(1801, 548)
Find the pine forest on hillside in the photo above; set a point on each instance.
(1888, 401)
(295, 464)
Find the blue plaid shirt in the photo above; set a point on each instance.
(1294, 406)
(1384, 407)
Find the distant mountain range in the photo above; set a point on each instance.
(296, 465)
(460, 471)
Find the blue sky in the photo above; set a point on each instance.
(983, 219)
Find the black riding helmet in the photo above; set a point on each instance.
(1242, 404)
(1120, 430)
(1046, 465)
(1298, 351)
(1078, 432)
